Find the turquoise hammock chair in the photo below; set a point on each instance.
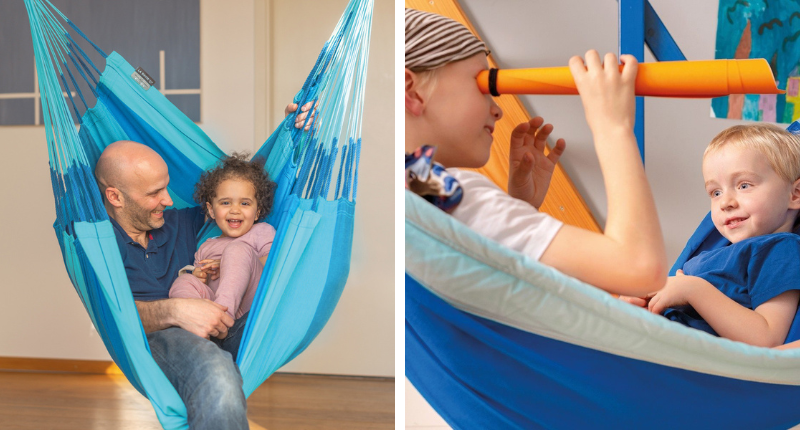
(316, 172)
(496, 340)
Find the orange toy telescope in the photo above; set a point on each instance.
(694, 79)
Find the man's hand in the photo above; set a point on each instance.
(202, 317)
(301, 118)
(530, 170)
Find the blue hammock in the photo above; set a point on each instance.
(316, 172)
(496, 340)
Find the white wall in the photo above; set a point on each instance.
(43, 316)
(546, 33)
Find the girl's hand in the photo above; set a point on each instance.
(200, 274)
(209, 268)
(530, 170)
(675, 293)
(608, 95)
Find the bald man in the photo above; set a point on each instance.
(194, 341)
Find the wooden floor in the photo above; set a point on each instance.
(64, 401)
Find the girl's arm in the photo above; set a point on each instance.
(629, 257)
(767, 325)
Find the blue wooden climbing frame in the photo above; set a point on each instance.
(639, 24)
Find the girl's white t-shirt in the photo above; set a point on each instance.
(511, 222)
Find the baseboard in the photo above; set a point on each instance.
(25, 364)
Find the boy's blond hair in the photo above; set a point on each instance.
(781, 147)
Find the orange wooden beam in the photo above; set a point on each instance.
(563, 200)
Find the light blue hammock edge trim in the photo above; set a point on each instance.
(481, 277)
(344, 194)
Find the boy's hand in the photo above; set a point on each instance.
(675, 293)
(301, 118)
(641, 302)
(608, 95)
(530, 170)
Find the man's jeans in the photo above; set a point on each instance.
(205, 375)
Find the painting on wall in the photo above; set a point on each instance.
(161, 37)
(767, 29)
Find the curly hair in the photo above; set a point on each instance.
(237, 166)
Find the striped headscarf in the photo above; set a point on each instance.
(433, 40)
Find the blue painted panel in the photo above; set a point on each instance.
(16, 111)
(657, 37)
(631, 41)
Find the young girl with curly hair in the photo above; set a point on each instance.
(236, 194)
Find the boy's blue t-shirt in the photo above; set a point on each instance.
(750, 272)
(151, 271)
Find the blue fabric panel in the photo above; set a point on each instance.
(118, 321)
(88, 288)
(277, 150)
(69, 254)
(302, 281)
(81, 194)
(188, 138)
(285, 180)
(106, 323)
(480, 374)
(337, 250)
(281, 321)
(98, 130)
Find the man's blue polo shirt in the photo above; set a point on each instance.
(151, 271)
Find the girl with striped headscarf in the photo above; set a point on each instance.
(447, 117)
